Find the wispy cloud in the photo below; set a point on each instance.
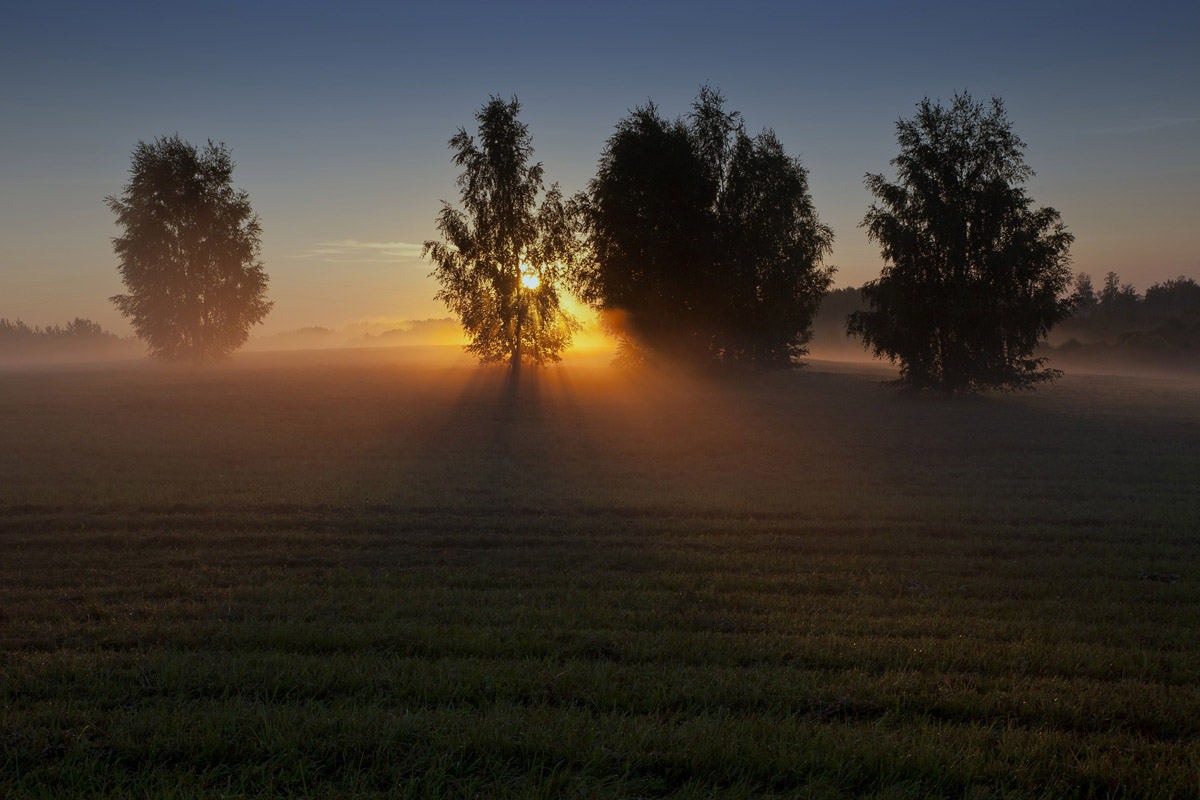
(1149, 124)
(352, 251)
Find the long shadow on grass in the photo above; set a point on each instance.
(1083, 452)
(482, 451)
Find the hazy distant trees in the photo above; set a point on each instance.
(78, 339)
(1113, 298)
(1163, 327)
(703, 238)
(829, 324)
(78, 329)
(1179, 297)
(974, 276)
(504, 258)
(189, 252)
(1084, 299)
(1174, 298)
(1117, 297)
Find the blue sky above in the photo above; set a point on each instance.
(338, 118)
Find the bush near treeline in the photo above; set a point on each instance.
(79, 337)
(1162, 326)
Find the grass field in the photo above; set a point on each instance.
(398, 575)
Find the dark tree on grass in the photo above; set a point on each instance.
(974, 276)
(189, 252)
(504, 257)
(704, 238)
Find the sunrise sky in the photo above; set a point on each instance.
(338, 116)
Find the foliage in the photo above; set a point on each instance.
(1162, 328)
(974, 275)
(1084, 299)
(79, 338)
(189, 252)
(704, 238)
(1117, 297)
(77, 329)
(492, 249)
(1120, 303)
(1174, 298)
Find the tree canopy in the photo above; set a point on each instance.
(704, 238)
(504, 258)
(189, 252)
(974, 276)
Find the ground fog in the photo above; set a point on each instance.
(387, 572)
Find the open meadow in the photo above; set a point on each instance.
(392, 573)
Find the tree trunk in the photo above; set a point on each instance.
(516, 354)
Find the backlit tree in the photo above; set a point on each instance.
(704, 238)
(189, 252)
(974, 276)
(503, 257)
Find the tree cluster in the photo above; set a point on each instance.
(696, 240)
(705, 238)
(78, 329)
(1163, 325)
(1179, 297)
(701, 242)
(79, 337)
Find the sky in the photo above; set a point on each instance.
(338, 117)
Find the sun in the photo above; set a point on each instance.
(529, 278)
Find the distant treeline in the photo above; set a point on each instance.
(446, 330)
(1116, 323)
(442, 331)
(1112, 324)
(829, 327)
(80, 338)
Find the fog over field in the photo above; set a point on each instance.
(415, 576)
(830, 343)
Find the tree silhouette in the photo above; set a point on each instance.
(504, 258)
(704, 238)
(1118, 298)
(1163, 328)
(1084, 299)
(189, 252)
(974, 276)
(78, 339)
(1174, 298)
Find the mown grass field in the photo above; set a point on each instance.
(395, 576)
